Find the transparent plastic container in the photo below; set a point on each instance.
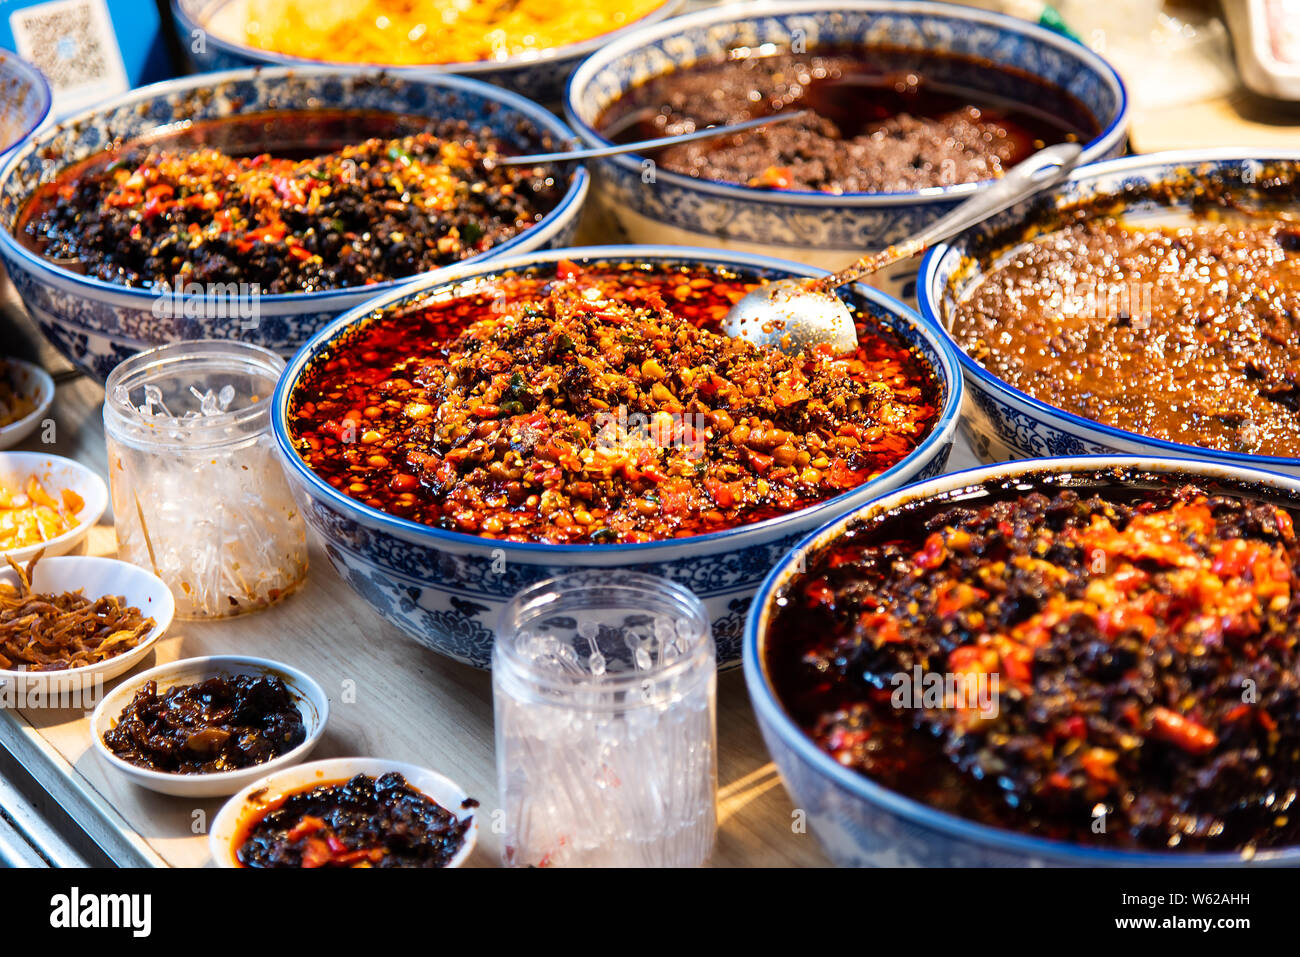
(199, 496)
(605, 691)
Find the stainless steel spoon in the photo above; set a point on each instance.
(795, 315)
(595, 152)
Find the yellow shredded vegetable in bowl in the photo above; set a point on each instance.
(412, 32)
(32, 515)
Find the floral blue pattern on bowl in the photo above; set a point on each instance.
(540, 77)
(824, 229)
(1005, 423)
(447, 589)
(24, 100)
(94, 322)
(861, 823)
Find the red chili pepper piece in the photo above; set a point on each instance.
(308, 825)
(774, 177)
(316, 853)
(372, 854)
(1182, 732)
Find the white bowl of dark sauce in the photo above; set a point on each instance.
(341, 802)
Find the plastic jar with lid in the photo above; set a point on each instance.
(199, 496)
(605, 691)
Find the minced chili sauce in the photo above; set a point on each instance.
(598, 404)
(353, 199)
(1143, 641)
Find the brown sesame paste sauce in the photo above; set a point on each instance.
(1182, 327)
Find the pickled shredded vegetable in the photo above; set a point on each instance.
(31, 515)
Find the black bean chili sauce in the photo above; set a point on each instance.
(599, 404)
(364, 822)
(222, 724)
(1144, 646)
(352, 199)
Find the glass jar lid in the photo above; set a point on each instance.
(605, 638)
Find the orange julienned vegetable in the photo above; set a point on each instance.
(32, 516)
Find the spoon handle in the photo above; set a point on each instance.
(707, 133)
(1045, 168)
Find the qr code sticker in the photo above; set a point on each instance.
(73, 44)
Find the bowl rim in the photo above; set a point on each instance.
(929, 298)
(548, 56)
(69, 676)
(945, 370)
(42, 87)
(564, 211)
(744, 10)
(95, 498)
(312, 692)
(44, 397)
(773, 718)
(228, 817)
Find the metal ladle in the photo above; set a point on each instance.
(596, 152)
(796, 315)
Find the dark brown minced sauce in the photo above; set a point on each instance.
(1144, 639)
(885, 119)
(1185, 333)
(221, 724)
(363, 822)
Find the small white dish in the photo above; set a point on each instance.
(95, 577)
(312, 703)
(55, 473)
(272, 788)
(33, 382)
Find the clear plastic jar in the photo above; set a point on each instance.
(198, 492)
(605, 690)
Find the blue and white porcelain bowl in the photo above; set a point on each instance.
(208, 29)
(96, 324)
(1005, 423)
(24, 101)
(860, 823)
(821, 229)
(447, 589)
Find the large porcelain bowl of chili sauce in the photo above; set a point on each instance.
(1146, 306)
(519, 59)
(896, 82)
(577, 409)
(1083, 661)
(372, 179)
(24, 100)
